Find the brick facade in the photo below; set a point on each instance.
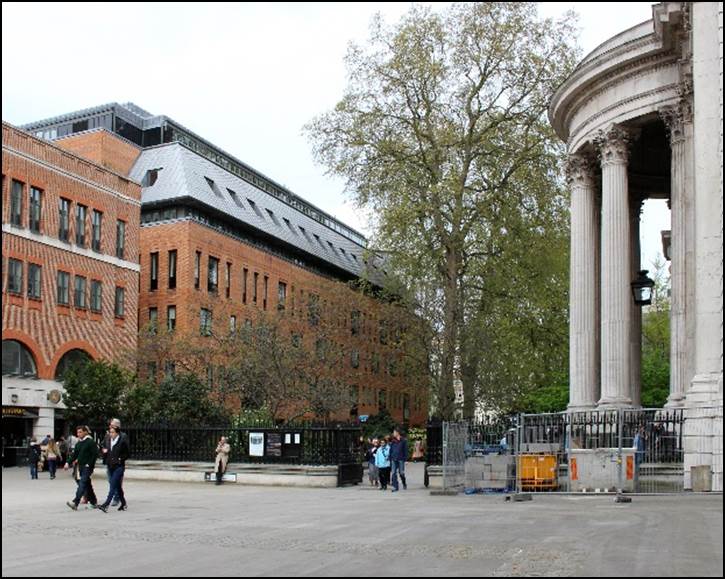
(103, 148)
(46, 328)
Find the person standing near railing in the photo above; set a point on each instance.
(222, 459)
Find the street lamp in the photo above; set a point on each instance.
(642, 288)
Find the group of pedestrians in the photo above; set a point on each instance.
(48, 453)
(386, 458)
(114, 451)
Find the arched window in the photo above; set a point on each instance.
(70, 358)
(18, 360)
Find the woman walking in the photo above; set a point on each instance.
(382, 461)
(53, 456)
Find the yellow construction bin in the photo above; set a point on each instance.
(538, 472)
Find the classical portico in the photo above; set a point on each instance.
(642, 118)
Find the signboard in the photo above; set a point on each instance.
(363, 417)
(226, 477)
(256, 444)
(19, 412)
(274, 444)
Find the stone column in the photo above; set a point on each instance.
(679, 123)
(635, 337)
(583, 295)
(616, 309)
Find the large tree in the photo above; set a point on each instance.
(442, 133)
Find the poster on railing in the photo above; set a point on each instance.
(274, 444)
(256, 444)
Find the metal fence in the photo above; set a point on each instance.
(305, 445)
(626, 450)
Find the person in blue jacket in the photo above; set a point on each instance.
(398, 456)
(382, 461)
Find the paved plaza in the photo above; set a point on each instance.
(203, 530)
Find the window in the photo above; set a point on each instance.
(355, 322)
(79, 296)
(254, 290)
(232, 324)
(382, 399)
(154, 272)
(228, 280)
(120, 238)
(150, 177)
(118, 306)
(245, 272)
(171, 318)
(64, 220)
(96, 295)
(15, 276)
(17, 360)
(266, 287)
(34, 277)
(205, 320)
(96, 230)
(71, 359)
(376, 363)
(172, 269)
(35, 209)
(169, 369)
(355, 359)
(63, 288)
(153, 319)
(281, 295)
(197, 269)
(81, 211)
(16, 204)
(213, 275)
(313, 309)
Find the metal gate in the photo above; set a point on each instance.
(455, 440)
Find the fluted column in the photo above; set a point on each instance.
(583, 295)
(635, 336)
(679, 123)
(616, 310)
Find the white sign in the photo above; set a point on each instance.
(288, 438)
(256, 444)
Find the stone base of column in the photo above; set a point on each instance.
(614, 403)
(675, 401)
(581, 407)
(702, 436)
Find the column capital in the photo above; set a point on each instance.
(675, 118)
(613, 145)
(579, 169)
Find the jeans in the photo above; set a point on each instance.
(116, 485)
(85, 486)
(33, 469)
(109, 473)
(52, 466)
(398, 467)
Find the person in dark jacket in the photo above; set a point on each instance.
(398, 456)
(34, 458)
(116, 451)
(84, 455)
(114, 423)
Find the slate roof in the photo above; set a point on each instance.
(184, 173)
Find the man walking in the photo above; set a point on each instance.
(398, 456)
(85, 455)
(116, 453)
(115, 423)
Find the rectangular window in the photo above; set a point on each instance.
(245, 273)
(64, 220)
(169, 369)
(96, 295)
(228, 280)
(313, 309)
(355, 359)
(232, 324)
(254, 290)
(63, 288)
(281, 295)
(15, 276)
(154, 271)
(355, 322)
(118, 306)
(79, 296)
(266, 288)
(212, 284)
(197, 270)
(153, 319)
(120, 239)
(205, 319)
(171, 318)
(81, 211)
(16, 203)
(172, 269)
(34, 276)
(35, 209)
(96, 230)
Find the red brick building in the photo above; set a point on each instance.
(218, 236)
(70, 250)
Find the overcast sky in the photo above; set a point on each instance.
(245, 76)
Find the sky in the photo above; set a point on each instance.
(245, 76)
